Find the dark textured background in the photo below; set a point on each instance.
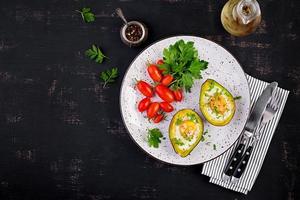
(61, 134)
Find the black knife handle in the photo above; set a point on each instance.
(243, 163)
(234, 160)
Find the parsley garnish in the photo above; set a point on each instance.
(109, 76)
(237, 98)
(178, 141)
(95, 53)
(87, 15)
(192, 117)
(202, 139)
(182, 62)
(153, 137)
(215, 147)
(216, 110)
(211, 86)
(178, 121)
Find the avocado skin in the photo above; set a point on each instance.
(176, 148)
(205, 86)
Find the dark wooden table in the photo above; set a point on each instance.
(61, 133)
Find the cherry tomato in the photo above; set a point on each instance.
(152, 110)
(154, 73)
(160, 62)
(144, 104)
(164, 93)
(167, 107)
(178, 95)
(167, 79)
(145, 88)
(158, 118)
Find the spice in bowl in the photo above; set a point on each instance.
(133, 32)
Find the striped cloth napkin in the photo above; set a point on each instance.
(214, 168)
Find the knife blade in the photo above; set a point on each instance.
(259, 107)
(251, 124)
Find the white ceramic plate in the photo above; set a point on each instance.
(222, 67)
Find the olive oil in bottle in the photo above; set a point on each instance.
(241, 17)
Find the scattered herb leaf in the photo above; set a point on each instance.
(95, 54)
(153, 137)
(215, 147)
(206, 131)
(237, 98)
(202, 139)
(211, 86)
(178, 121)
(192, 117)
(87, 15)
(182, 62)
(109, 76)
(178, 141)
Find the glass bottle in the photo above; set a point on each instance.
(241, 17)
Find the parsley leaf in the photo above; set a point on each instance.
(214, 147)
(237, 98)
(95, 53)
(202, 139)
(153, 137)
(182, 62)
(178, 141)
(109, 76)
(178, 121)
(87, 15)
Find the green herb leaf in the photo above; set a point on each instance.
(237, 98)
(178, 121)
(109, 76)
(192, 117)
(182, 61)
(87, 15)
(205, 132)
(202, 139)
(178, 141)
(94, 53)
(153, 137)
(215, 147)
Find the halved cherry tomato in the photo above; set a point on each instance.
(145, 88)
(167, 107)
(154, 73)
(160, 62)
(158, 118)
(167, 79)
(144, 104)
(164, 93)
(178, 95)
(152, 110)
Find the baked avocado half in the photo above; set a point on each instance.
(216, 103)
(185, 131)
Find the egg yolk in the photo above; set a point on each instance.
(218, 103)
(187, 128)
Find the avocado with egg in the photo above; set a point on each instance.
(185, 131)
(216, 103)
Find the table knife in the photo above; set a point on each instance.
(251, 124)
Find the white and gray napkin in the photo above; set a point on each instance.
(214, 168)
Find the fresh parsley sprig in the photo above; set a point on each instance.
(87, 15)
(182, 62)
(109, 76)
(94, 53)
(154, 137)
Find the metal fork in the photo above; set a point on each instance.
(269, 113)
